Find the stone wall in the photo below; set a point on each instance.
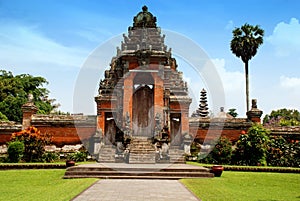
(209, 129)
(66, 129)
(6, 129)
(73, 129)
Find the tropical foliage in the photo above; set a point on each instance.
(221, 154)
(282, 117)
(14, 91)
(282, 153)
(34, 143)
(244, 45)
(15, 151)
(251, 148)
(232, 112)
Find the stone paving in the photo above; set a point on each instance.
(136, 190)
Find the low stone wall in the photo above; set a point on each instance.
(66, 129)
(210, 129)
(6, 129)
(76, 129)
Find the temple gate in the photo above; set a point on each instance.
(143, 94)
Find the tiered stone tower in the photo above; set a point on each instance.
(202, 111)
(142, 94)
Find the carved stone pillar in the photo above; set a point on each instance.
(28, 110)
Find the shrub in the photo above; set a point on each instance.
(34, 143)
(79, 156)
(252, 147)
(277, 152)
(15, 151)
(221, 154)
(50, 157)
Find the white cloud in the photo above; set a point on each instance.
(232, 81)
(94, 35)
(234, 86)
(289, 82)
(24, 49)
(25, 45)
(286, 38)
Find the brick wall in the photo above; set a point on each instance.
(207, 129)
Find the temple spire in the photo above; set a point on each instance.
(144, 19)
(202, 111)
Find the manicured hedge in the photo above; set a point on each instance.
(7, 166)
(259, 169)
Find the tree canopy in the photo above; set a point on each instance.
(232, 112)
(283, 117)
(14, 91)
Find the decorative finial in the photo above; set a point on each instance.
(254, 103)
(145, 8)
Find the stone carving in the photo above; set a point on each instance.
(187, 141)
(127, 130)
(30, 98)
(157, 129)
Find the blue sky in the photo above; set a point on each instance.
(53, 39)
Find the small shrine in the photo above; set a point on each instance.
(142, 94)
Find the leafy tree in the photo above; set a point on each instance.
(14, 91)
(3, 117)
(283, 117)
(244, 45)
(34, 143)
(232, 112)
(251, 148)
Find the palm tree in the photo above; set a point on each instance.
(244, 45)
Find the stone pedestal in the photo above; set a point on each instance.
(254, 114)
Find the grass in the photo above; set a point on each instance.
(247, 186)
(210, 165)
(40, 185)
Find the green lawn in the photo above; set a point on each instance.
(39, 185)
(247, 186)
(49, 185)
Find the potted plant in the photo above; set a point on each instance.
(70, 163)
(217, 170)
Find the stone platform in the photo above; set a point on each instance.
(136, 171)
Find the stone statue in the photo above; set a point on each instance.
(30, 98)
(157, 124)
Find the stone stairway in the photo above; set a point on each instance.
(137, 171)
(141, 151)
(107, 154)
(176, 155)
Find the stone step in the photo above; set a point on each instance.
(138, 173)
(150, 171)
(138, 169)
(141, 151)
(107, 154)
(131, 177)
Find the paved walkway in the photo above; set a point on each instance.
(136, 190)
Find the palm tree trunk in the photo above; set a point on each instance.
(247, 85)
